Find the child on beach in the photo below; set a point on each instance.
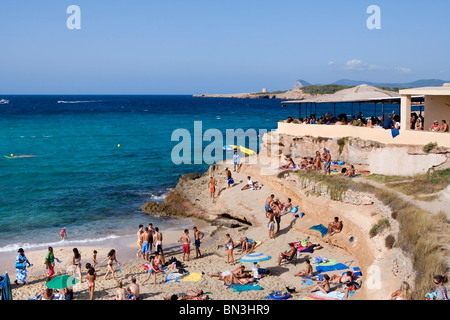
(63, 234)
(94, 258)
(49, 262)
(91, 276)
(111, 258)
(186, 244)
(151, 270)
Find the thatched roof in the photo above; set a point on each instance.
(361, 93)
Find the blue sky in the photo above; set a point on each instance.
(211, 46)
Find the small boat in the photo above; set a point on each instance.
(3, 101)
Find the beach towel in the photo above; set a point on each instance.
(326, 263)
(357, 272)
(321, 228)
(308, 282)
(173, 277)
(331, 295)
(317, 277)
(337, 266)
(246, 287)
(193, 276)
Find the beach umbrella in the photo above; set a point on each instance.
(6, 288)
(62, 282)
(254, 257)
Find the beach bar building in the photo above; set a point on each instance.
(435, 102)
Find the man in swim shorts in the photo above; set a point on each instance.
(145, 244)
(198, 235)
(157, 238)
(268, 203)
(327, 160)
(236, 161)
(212, 187)
(230, 180)
(186, 244)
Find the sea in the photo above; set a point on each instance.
(91, 161)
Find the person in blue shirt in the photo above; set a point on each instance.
(389, 124)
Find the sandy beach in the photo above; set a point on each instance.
(213, 259)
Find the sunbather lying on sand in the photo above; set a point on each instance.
(238, 276)
(189, 295)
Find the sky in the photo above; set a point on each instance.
(212, 46)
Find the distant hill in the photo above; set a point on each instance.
(301, 83)
(414, 84)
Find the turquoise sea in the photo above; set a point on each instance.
(79, 177)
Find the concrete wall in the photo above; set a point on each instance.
(406, 137)
(436, 108)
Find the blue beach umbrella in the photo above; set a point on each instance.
(255, 257)
(5, 284)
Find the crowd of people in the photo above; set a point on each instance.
(392, 121)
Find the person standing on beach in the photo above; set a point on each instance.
(186, 244)
(276, 209)
(50, 263)
(236, 161)
(230, 180)
(76, 262)
(212, 187)
(151, 230)
(158, 238)
(21, 267)
(94, 258)
(229, 244)
(271, 224)
(327, 160)
(145, 243)
(198, 235)
(139, 240)
(268, 204)
(151, 270)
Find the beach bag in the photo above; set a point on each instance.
(294, 209)
(431, 295)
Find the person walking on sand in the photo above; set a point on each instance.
(21, 267)
(111, 259)
(198, 236)
(139, 240)
(186, 240)
(145, 243)
(268, 204)
(212, 187)
(91, 277)
(230, 180)
(229, 244)
(271, 224)
(50, 263)
(236, 161)
(76, 262)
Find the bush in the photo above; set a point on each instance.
(379, 227)
(389, 241)
(429, 146)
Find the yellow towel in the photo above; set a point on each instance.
(193, 276)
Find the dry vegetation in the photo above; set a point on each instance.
(422, 234)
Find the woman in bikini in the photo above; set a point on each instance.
(76, 262)
(323, 286)
(120, 293)
(111, 258)
(317, 161)
(91, 276)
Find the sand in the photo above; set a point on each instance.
(213, 259)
